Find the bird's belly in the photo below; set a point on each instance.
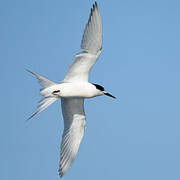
(77, 93)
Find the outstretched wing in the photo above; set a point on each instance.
(92, 46)
(92, 37)
(74, 125)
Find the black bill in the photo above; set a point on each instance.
(107, 94)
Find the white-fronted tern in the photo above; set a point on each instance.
(74, 89)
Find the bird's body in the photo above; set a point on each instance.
(74, 89)
(70, 89)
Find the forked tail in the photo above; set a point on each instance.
(48, 97)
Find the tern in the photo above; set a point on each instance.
(74, 89)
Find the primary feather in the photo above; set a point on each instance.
(74, 125)
(92, 44)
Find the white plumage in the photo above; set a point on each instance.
(92, 46)
(73, 89)
(74, 125)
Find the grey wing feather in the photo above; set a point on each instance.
(92, 46)
(92, 37)
(74, 125)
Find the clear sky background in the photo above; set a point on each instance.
(134, 137)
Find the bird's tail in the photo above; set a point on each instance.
(48, 98)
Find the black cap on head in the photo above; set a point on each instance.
(99, 87)
(102, 89)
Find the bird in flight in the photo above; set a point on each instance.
(74, 89)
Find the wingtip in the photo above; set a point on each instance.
(95, 5)
(29, 71)
(61, 174)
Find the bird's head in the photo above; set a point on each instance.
(102, 91)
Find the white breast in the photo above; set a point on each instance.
(84, 89)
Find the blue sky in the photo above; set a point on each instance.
(134, 137)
